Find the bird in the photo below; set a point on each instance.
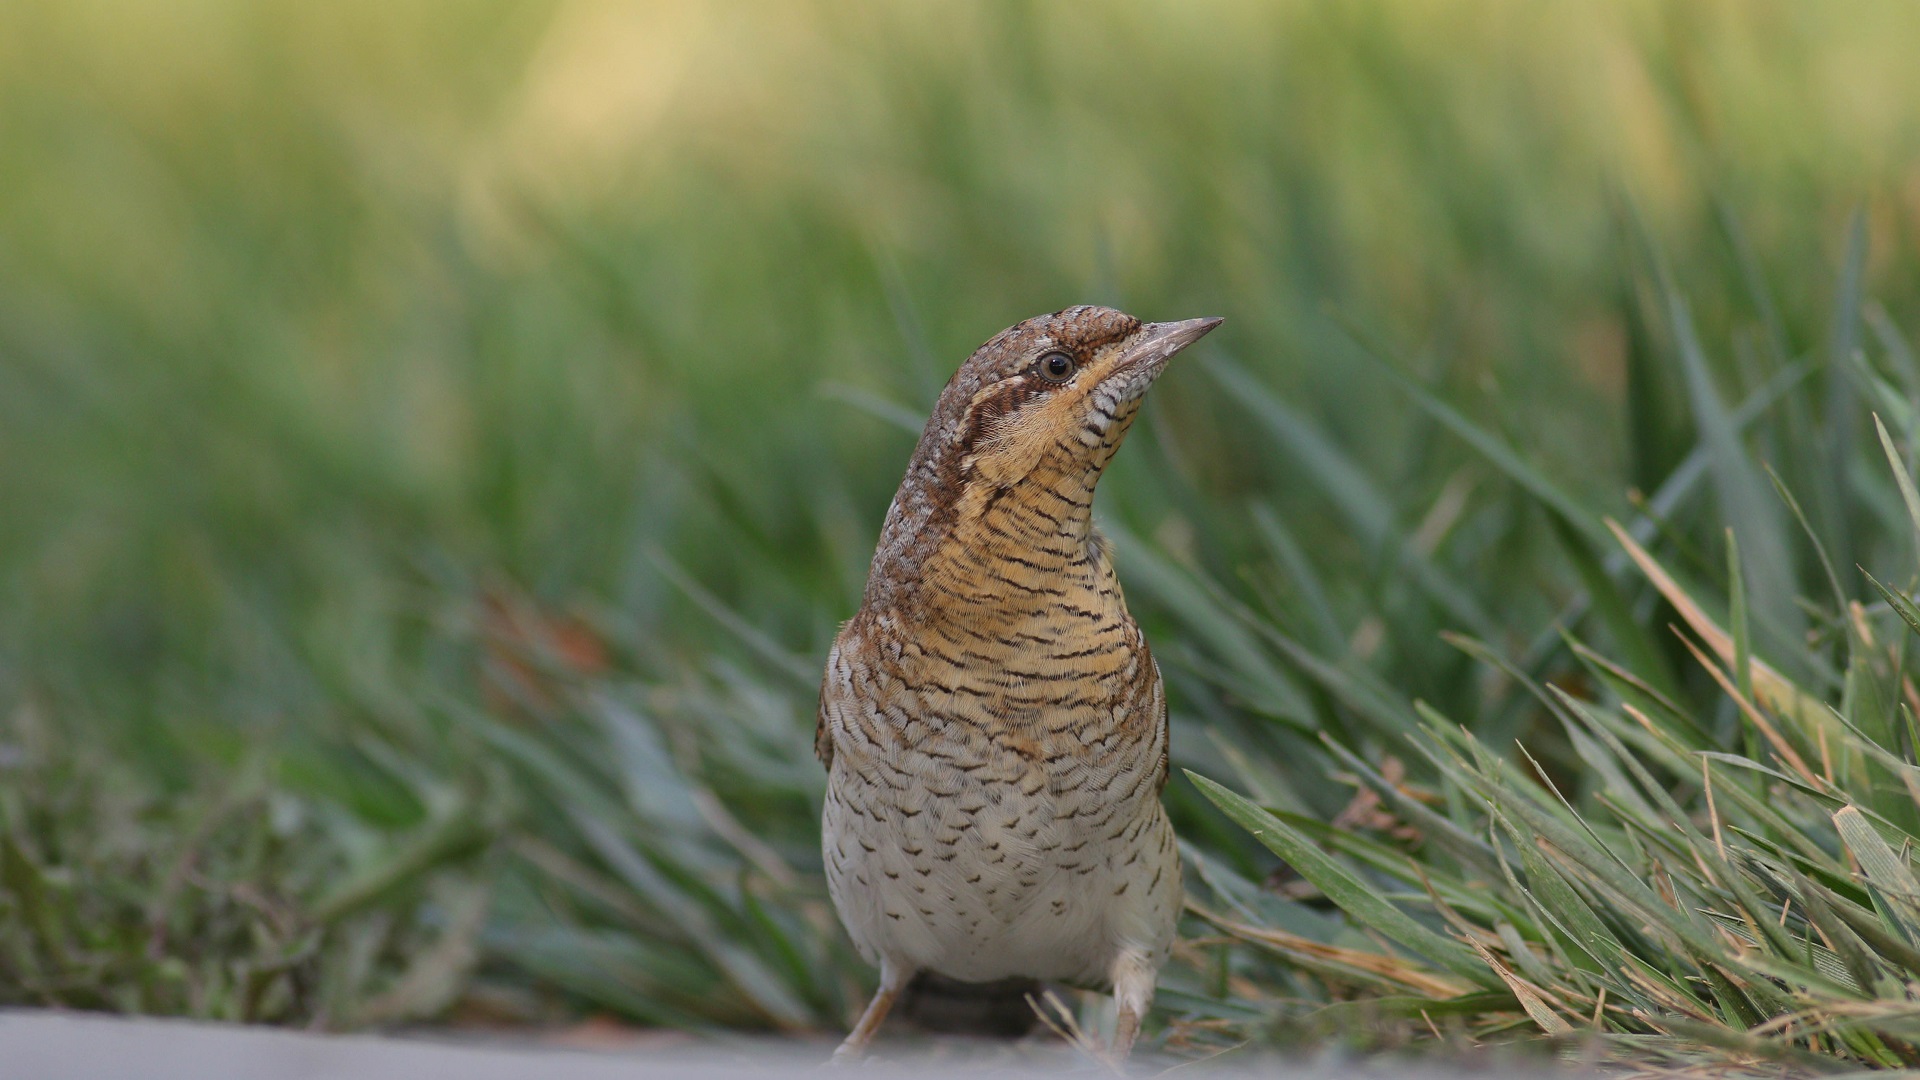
(992, 721)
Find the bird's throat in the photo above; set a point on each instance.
(1019, 552)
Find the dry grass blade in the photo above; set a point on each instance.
(1060, 1020)
(1760, 722)
(1382, 966)
(1774, 690)
(1532, 998)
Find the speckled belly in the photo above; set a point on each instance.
(1031, 873)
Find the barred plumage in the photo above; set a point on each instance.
(992, 720)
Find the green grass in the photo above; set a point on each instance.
(1681, 868)
(438, 443)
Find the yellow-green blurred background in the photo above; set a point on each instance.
(347, 348)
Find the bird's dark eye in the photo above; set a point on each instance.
(1057, 366)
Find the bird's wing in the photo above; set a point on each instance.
(836, 693)
(822, 736)
(1160, 729)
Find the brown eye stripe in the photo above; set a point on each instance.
(1003, 399)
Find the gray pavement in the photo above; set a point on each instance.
(75, 1046)
(40, 1045)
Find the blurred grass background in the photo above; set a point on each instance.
(438, 441)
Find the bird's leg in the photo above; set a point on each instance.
(1133, 979)
(893, 979)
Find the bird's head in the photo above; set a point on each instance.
(1052, 397)
(1038, 410)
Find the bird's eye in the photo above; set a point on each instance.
(1057, 366)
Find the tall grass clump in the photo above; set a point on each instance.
(1695, 841)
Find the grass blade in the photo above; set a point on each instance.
(1343, 887)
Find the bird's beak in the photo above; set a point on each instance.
(1152, 345)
